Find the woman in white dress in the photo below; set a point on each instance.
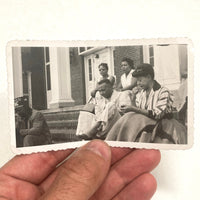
(128, 82)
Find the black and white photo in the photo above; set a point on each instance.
(131, 93)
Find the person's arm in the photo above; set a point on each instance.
(37, 126)
(112, 80)
(158, 112)
(131, 108)
(135, 91)
(93, 92)
(126, 106)
(119, 86)
(131, 86)
(163, 104)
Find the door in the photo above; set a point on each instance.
(92, 62)
(165, 59)
(34, 77)
(38, 83)
(167, 66)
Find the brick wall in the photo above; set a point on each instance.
(77, 68)
(133, 52)
(77, 76)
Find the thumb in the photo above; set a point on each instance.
(82, 174)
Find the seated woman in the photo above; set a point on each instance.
(103, 70)
(127, 82)
(149, 118)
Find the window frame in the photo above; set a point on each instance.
(47, 66)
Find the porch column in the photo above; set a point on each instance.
(60, 77)
(29, 88)
(17, 72)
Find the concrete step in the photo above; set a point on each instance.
(63, 124)
(63, 135)
(62, 116)
(62, 131)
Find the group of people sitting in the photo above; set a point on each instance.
(139, 109)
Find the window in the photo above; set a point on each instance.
(48, 77)
(90, 69)
(148, 54)
(151, 55)
(47, 68)
(83, 49)
(47, 54)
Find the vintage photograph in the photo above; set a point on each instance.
(130, 94)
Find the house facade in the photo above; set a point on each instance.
(57, 77)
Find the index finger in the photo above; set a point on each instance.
(34, 167)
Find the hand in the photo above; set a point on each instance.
(136, 89)
(126, 108)
(84, 137)
(23, 132)
(93, 93)
(95, 171)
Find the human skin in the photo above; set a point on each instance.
(94, 171)
(103, 71)
(105, 90)
(126, 69)
(143, 82)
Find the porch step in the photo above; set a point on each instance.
(63, 124)
(61, 116)
(63, 135)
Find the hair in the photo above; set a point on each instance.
(29, 110)
(129, 61)
(107, 81)
(149, 69)
(105, 65)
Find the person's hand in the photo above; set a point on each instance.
(84, 137)
(23, 132)
(135, 90)
(93, 172)
(126, 108)
(93, 93)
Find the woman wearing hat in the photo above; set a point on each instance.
(151, 109)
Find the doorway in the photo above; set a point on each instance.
(34, 85)
(92, 62)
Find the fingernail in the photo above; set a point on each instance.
(100, 148)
